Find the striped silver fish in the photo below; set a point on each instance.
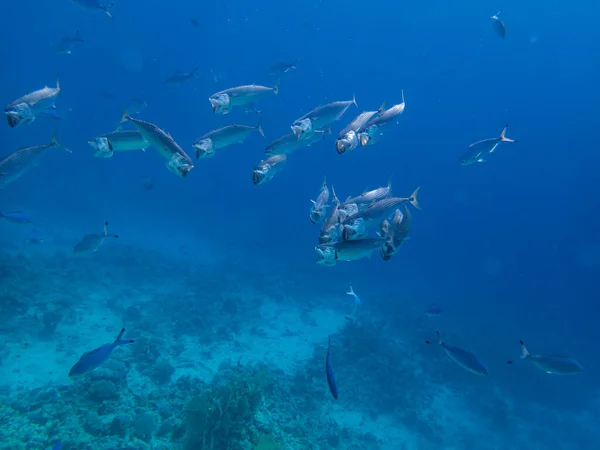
(396, 233)
(25, 109)
(223, 101)
(290, 143)
(373, 130)
(119, 140)
(370, 196)
(383, 208)
(266, 169)
(348, 138)
(328, 254)
(320, 117)
(178, 161)
(19, 162)
(207, 145)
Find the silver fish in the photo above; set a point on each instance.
(282, 67)
(207, 145)
(498, 25)
(289, 143)
(178, 78)
(223, 101)
(266, 169)
(480, 149)
(553, 364)
(397, 232)
(25, 109)
(368, 197)
(91, 242)
(317, 211)
(330, 228)
(357, 229)
(19, 162)
(320, 117)
(95, 5)
(463, 358)
(67, 43)
(178, 161)
(348, 138)
(119, 140)
(383, 207)
(373, 130)
(328, 254)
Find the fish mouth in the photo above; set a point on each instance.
(257, 177)
(341, 146)
(12, 118)
(364, 139)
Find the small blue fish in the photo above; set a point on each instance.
(33, 237)
(553, 364)
(356, 304)
(331, 381)
(463, 358)
(16, 217)
(57, 446)
(90, 361)
(433, 310)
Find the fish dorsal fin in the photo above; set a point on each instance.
(383, 107)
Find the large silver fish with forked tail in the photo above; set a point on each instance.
(223, 101)
(369, 197)
(320, 117)
(348, 138)
(396, 232)
(178, 161)
(317, 211)
(91, 242)
(383, 208)
(119, 140)
(373, 130)
(207, 145)
(552, 364)
(290, 143)
(19, 162)
(266, 169)
(464, 358)
(328, 254)
(25, 109)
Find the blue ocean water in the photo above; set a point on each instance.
(215, 278)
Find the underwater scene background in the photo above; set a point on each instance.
(215, 278)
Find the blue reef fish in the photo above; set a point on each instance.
(498, 25)
(553, 364)
(67, 43)
(90, 361)
(463, 358)
(479, 150)
(25, 109)
(282, 67)
(91, 242)
(331, 381)
(20, 217)
(433, 310)
(356, 304)
(178, 78)
(33, 237)
(95, 5)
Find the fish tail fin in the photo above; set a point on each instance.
(390, 181)
(125, 116)
(351, 292)
(57, 84)
(55, 143)
(107, 11)
(105, 231)
(497, 14)
(440, 341)
(503, 137)
(403, 96)
(354, 100)
(276, 86)
(259, 126)
(293, 66)
(335, 199)
(413, 198)
(119, 341)
(324, 185)
(524, 352)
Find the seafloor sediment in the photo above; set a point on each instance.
(231, 356)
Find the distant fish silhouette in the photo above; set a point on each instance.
(553, 364)
(33, 237)
(498, 25)
(331, 381)
(463, 358)
(20, 217)
(194, 23)
(91, 360)
(91, 242)
(433, 310)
